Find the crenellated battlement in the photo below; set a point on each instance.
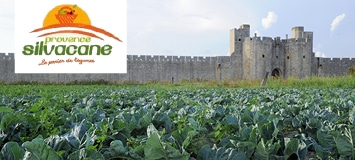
(260, 39)
(7, 56)
(159, 58)
(337, 60)
(277, 39)
(149, 58)
(267, 39)
(299, 40)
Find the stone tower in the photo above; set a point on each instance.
(237, 38)
(285, 58)
(299, 54)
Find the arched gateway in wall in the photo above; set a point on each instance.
(276, 73)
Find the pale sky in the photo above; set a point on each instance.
(201, 27)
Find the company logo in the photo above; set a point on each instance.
(72, 38)
(62, 17)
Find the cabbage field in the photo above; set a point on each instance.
(113, 122)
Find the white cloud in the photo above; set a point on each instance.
(337, 21)
(320, 54)
(269, 20)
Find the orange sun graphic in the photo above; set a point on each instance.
(72, 16)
